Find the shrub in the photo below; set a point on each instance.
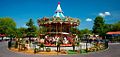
(48, 49)
(83, 51)
(42, 45)
(71, 52)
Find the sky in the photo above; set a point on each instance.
(86, 10)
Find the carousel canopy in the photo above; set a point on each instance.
(58, 18)
(59, 12)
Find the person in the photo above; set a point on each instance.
(10, 44)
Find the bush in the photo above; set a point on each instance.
(42, 45)
(83, 51)
(71, 52)
(48, 49)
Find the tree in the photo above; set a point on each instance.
(21, 32)
(75, 31)
(116, 26)
(112, 27)
(108, 27)
(85, 31)
(31, 30)
(99, 24)
(7, 26)
(42, 30)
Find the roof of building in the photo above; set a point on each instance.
(117, 32)
(2, 35)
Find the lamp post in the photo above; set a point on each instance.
(106, 42)
(86, 36)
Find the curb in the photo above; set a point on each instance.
(60, 54)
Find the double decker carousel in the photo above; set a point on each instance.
(58, 29)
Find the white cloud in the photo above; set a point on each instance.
(24, 26)
(107, 13)
(104, 14)
(101, 14)
(88, 19)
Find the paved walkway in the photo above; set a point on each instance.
(113, 51)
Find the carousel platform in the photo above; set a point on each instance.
(62, 45)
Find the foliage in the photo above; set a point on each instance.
(112, 27)
(7, 26)
(85, 31)
(32, 29)
(99, 24)
(108, 27)
(48, 49)
(30, 23)
(42, 45)
(71, 52)
(75, 31)
(116, 26)
(21, 32)
(82, 51)
(42, 30)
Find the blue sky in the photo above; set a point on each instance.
(22, 10)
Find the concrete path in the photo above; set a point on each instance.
(113, 51)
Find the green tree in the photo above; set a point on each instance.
(112, 27)
(32, 29)
(116, 26)
(108, 27)
(85, 31)
(21, 32)
(7, 26)
(99, 24)
(42, 30)
(75, 31)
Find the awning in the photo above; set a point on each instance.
(2, 35)
(117, 32)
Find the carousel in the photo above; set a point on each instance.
(58, 29)
(58, 35)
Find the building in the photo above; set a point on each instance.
(113, 36)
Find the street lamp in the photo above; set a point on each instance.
(86, 36)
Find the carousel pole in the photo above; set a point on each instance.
(56, 28)
(50, 27)
(61, 28)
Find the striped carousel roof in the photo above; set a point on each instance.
(59, 12)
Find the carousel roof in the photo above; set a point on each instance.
(59, 12)
(59, 18)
